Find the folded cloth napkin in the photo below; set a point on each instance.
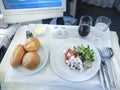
(116, 71)
(48, 77)
(111, 40)
(115, 58)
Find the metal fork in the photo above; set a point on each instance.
(107, 54)
(103, 75)
(102, 72)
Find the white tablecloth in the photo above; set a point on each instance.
(47, 79)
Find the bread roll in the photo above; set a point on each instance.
(32, 44)
(31, 60)
(17, 55)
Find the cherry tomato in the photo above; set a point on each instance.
(69, 53)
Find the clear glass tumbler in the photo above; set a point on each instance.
(102, 23)
(100, 30)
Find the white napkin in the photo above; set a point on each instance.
(117, 71)
(106, 41)
(115, 58)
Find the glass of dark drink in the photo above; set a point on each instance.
(84, 25)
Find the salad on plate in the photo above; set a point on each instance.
(79, 58)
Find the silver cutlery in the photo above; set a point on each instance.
(101, 79)
(108, 54)
(103, 75)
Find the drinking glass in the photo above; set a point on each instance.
(100, 30)
(102, 23)
(84, 25)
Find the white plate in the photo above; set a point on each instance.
(38, 27)
(43, 53)
(62, 70)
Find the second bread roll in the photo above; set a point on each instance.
(32, 44)
(31, 60)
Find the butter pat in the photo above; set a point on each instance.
(38, 31)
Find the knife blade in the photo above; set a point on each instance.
(106, 80)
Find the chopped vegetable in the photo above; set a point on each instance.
(69, 53)
(85, 52)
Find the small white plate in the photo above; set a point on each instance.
(61, 69)
(37, 29)
(43, 53)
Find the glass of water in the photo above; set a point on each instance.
(102, 23)
(101, 27)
